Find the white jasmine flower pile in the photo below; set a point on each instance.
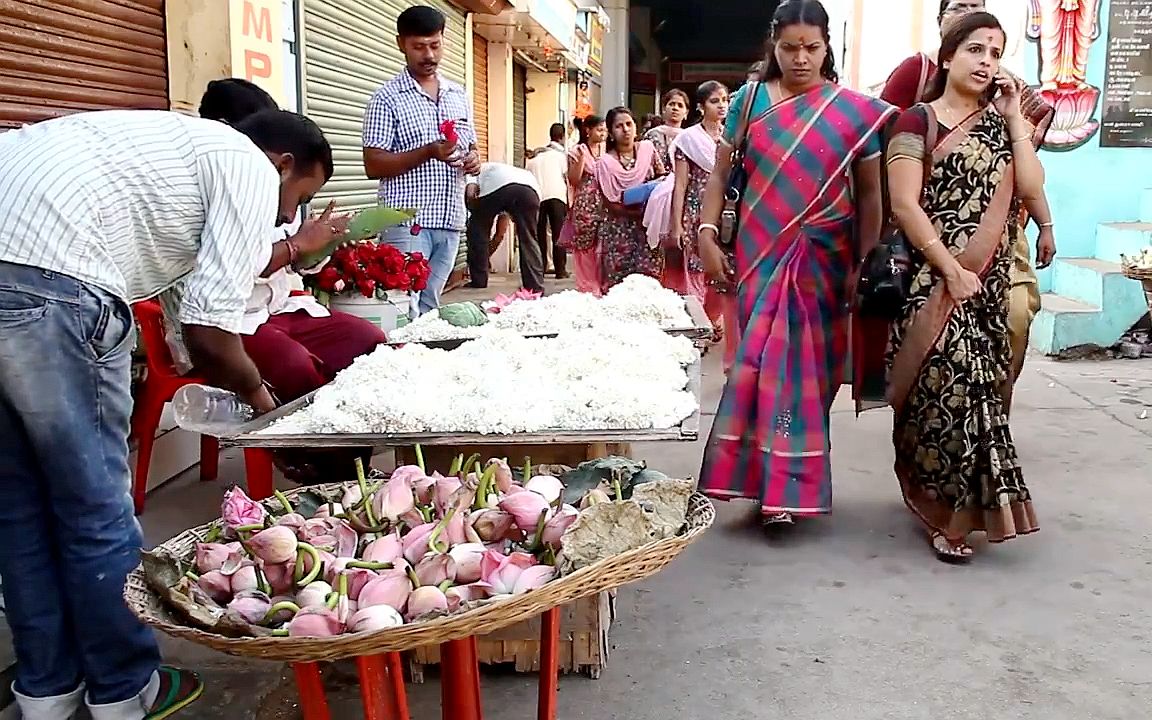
(618, 376)
(638, 299)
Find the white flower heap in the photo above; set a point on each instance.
(638, 299)
(614, 377)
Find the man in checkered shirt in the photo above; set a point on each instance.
(406, 151)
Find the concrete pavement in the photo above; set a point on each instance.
(848, 617)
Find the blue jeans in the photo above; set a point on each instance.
(68, 536)
(439, 246)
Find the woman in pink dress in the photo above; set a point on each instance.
(579, 233)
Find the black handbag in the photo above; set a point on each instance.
(886, 273)
(737, 176)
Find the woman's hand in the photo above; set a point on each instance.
(1008, 101)
(716, 265)
(962, 283)
(1045, 248)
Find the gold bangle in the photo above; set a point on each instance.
(935, 241)
(1044, 224)
(1023, 139)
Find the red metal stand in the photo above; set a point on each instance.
(549, 665)
(375, 690)
(258, 471)
(459, 681)
(313, 703)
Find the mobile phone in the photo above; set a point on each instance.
(992, 91)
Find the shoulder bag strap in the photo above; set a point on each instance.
(741, 137)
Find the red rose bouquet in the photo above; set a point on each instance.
(370, 269)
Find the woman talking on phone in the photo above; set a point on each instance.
(949, 356)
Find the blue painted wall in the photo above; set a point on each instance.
(1091, 184)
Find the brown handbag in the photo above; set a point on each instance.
(737, 175)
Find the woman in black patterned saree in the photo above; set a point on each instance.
(949, 355)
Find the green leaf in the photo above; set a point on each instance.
(308, 502)
(363, 225)
(601, 473)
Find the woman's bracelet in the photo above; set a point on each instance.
(929, 244)
(1022, 140)
(710, 226)
(1045, 224)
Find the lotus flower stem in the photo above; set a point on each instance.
(309, 577)
(457, 463)
(191, 576)
(279, 608)
(343, 591)
(412, 576)
(214, 533)
(486, 479)
(549, 555)
(280, 632)
(298, 571)
(445, 585)
(420, 459)
(366, 499)
(365, 565)
(435, 536)
(538, 537)
(425, 512)
(616, 489)
(468, 463)
(262, 583)
(250, 528)
(283, 501)
(332, 599)
(527, 471)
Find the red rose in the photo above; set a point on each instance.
(448, 130)
(415, 229)
(367, 288)
(327, 278)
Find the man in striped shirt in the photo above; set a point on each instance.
(405, 149)
(99, 210)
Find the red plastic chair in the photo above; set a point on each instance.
(159, 387)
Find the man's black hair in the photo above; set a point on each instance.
(280, 131)
(232, 99)
(420, 21)
(556, 132)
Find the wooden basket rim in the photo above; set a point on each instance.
(606, 574)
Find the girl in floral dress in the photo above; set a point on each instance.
(579, 233)
(620, 234)
(674, 110)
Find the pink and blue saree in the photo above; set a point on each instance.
(796, 255)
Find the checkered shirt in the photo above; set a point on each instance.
(401, 117)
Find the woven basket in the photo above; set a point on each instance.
(1145, 278)
(605, 575)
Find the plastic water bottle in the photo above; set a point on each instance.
(209, 410)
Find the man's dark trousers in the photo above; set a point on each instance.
(522, 204)
(553, 213)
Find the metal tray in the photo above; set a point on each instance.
(247, 435)
(700, 329)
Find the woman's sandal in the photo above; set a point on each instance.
(949, 551)
(782, 518)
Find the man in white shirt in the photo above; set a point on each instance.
(550, 167)
(97, 211)
(504, 189)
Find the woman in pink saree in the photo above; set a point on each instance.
(579, 234)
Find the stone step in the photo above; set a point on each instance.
(1088, 280)
(1122, 238)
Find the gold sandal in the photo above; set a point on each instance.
(950, 551)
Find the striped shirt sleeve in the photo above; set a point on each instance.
(241, 197)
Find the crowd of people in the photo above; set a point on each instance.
(763, 208)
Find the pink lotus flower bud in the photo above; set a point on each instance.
(412, 519)
(252, 605)
(461, 594)
(352, 497)
(425, 600)
(211, 556)
(216, 585)
(492, 525)
(239, 510)
(548, 487)
(502, 571)
(453, 532)
(274, 546)
(314, 594)
(557, 524)
(410, 474)
(503, 477)
(329, 510)
(295, 521)
(435, 569)
(594, 497)
(315, 622)
(532, 578)
(391, 589)
(330, 535)
(282, 577)
(384, 550)
(425, 487)
(326, 559)
(244, 579)
(467, 557)
(357, 579)
(395, 498)
(377, 617)
(525, 508)
(416, 542)
(442, 495)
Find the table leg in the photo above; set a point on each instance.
(459, 683)
(396, 681)
(549, 664)
(374, 688)
(313, 703)
(259, 471)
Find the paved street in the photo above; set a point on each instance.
(849, 617)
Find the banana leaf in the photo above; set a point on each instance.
(363, 225)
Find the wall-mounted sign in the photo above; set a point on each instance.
(558, 18)
(255, 36)
(690, 73)
(596, 46)
(1127, 120)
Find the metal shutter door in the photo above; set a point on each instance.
(349, 52)
(519, 114)
(64, 56)
(480, 93)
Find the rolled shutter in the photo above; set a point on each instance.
(480, 93)
(63, 56)
(519, 114)
(349, 52)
